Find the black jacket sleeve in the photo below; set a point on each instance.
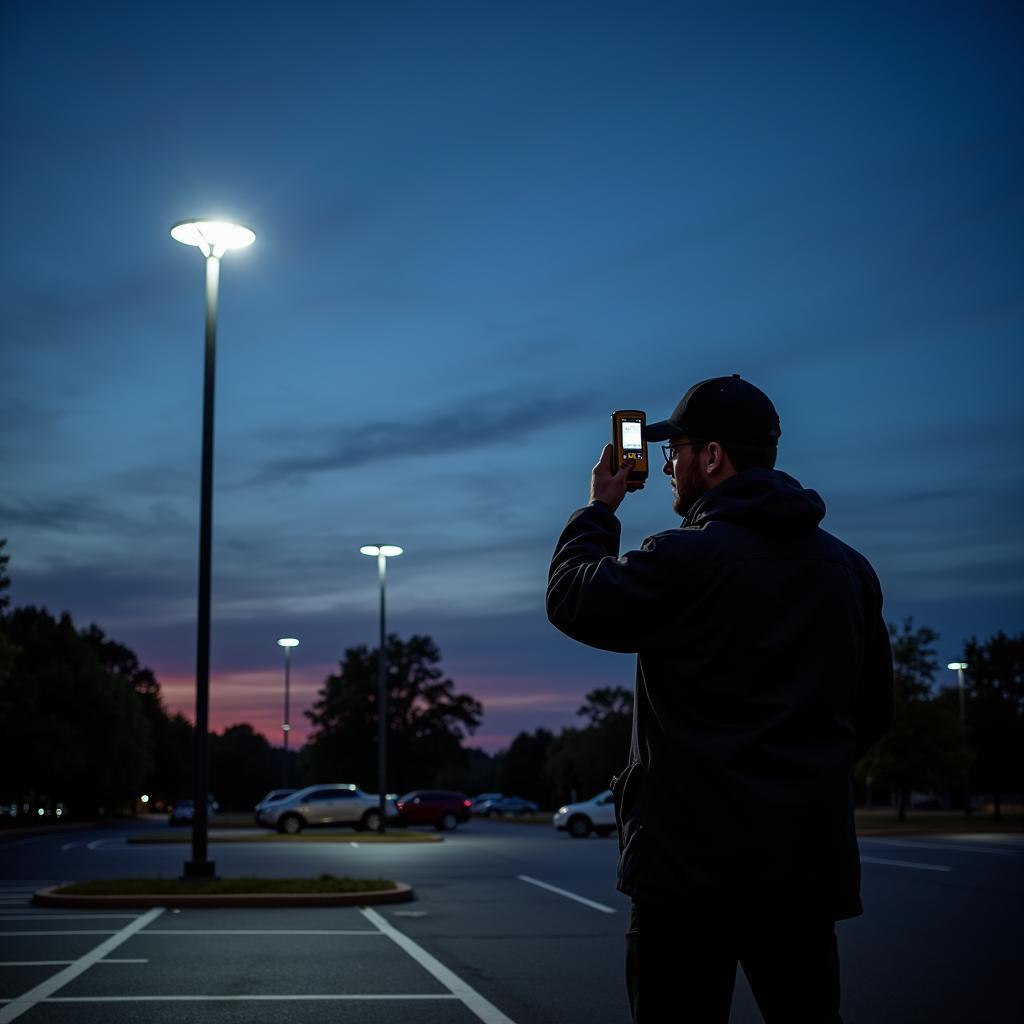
(603, 600)
(872, 706)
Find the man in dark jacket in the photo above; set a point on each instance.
(763, 673)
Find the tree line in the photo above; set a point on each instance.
(83, 725)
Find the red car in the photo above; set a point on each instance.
(442, 808)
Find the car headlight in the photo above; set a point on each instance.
(563, 810)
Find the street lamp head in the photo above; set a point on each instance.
(387, 550)
(954, 665)
(287, 641)
(213, 237)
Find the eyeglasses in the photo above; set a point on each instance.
(669, 450)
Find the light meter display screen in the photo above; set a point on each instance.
(631, 435)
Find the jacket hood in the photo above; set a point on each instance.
(766, 500)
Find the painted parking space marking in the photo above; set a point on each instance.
(906, 864)
(300, 998)
(260, 931)
(43, 915)
(919, 845)
(66, 931)
(63, 963)
(16, 1007)
(457, 990)
(35, 963)
(568, 895)
(470, 998)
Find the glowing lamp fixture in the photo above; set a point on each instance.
(287, 641)
(954, 665)
(214, 237)
(387, 550)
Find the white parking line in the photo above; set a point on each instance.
(567, 894)
(256, 931)
(83, 931)
(471, 999)
(42, 915)
(296, 998)
(24, 1003)
(35, 963)
(919, 845)
(68, 846)
(905, 864)
(61, 963)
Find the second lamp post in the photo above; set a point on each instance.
(383, 552)
(287, 642)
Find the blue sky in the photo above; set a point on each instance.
(480, 229)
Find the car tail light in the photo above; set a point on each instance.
(399, 804)
(467, 803)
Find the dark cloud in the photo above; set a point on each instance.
(473, 426)
(111, 595)
(83, 513)
(63, 513)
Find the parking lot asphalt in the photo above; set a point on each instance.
(512, 924)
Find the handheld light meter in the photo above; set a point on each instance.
(628, 445)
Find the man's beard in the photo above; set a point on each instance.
(694, 486)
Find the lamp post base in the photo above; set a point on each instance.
(199, 869)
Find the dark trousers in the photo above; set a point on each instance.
(681, 967)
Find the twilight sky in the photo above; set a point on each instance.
(481, 227)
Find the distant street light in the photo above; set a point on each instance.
(383, 552)
(287, 642)
(213, 238)
(958, 667)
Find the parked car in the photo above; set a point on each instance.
(183, 811)
(594, 815)
(272, 797)
(481, 798)
(442, 808)
(506, 805)
(335, 804)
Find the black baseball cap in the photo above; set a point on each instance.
(722, 409)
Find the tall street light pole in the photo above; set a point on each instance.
(287, 642)
(383, 552)
(958, 667)
(213, 238)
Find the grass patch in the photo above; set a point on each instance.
(887, 819)
(221, 886)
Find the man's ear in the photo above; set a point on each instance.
(715, 454)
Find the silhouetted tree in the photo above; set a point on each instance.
(427, 719)
(609, 705)
(72, 731)
(924, 747)
(5, 580)
(7, 649)
(994, 682)
(243, 767)
(520, 768)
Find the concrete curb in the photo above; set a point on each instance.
(402, 893)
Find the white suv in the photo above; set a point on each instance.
(337, 804)
(594, 815)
